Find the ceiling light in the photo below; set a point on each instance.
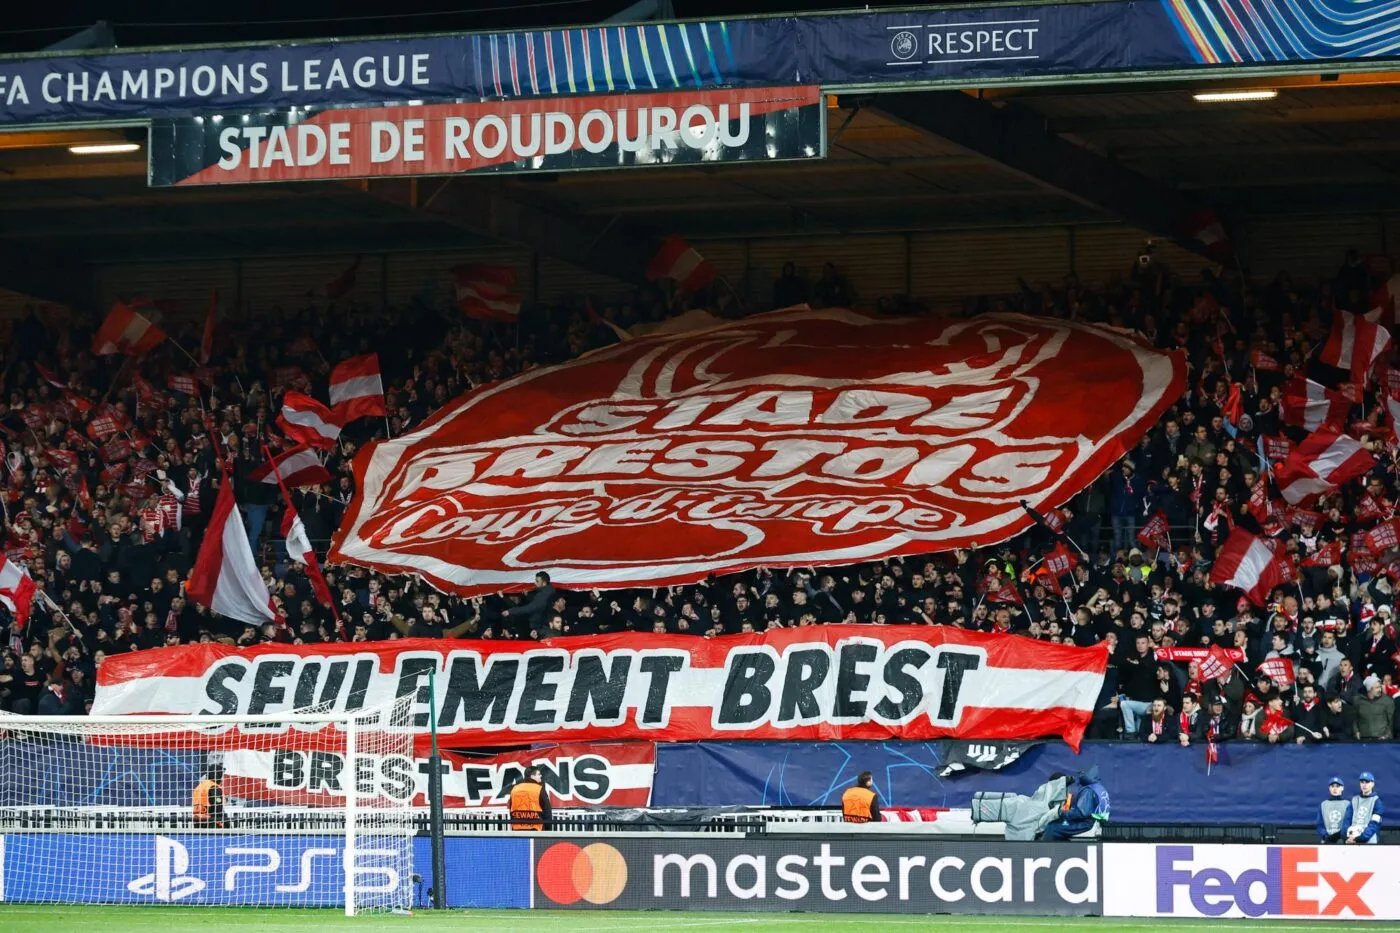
(103, 148)
(1234, 97)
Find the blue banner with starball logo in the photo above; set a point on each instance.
(909, 48)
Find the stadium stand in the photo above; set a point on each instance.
(108, 514)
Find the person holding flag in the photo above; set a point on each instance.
(299, 550)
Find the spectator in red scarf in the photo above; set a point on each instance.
(1192, 721)
(1158, 726)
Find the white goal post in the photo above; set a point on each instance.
(294, 809)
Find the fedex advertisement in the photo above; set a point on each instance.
(1260, 882)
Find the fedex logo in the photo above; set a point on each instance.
(1291, 882)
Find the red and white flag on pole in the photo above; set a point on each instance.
(357, 390)
(300, 466)
(1279, 670)
(1156, 532)
(1385, 302)
(1206, 227)
(1384, 536)
(1264, 362)
(1354, 345)
(206, 340)
(1324, 461)
(340, 285)
(487, 293)
(1309, 405)
(1392, 408)
(678, 260)
(1248, 563)
(17, 591)
(49, 376)
(308, 422)
(299, 549)
(126, 331)
(1216, 664)
(225, 577)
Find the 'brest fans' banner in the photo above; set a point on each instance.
(814, 682)
(617, 775)
(794, 438)
(537, 134)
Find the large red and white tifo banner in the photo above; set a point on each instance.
(819, 682)
(793, 438)
(585, 774)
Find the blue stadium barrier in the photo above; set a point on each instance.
(1149, 784)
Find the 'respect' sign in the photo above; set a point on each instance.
(794, 438)
(538, 134)
(1260, 882)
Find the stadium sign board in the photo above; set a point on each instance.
(535, 134)
(1252, 881)
(911, 48)
(795, 438)
(830, 874)
(814, 682)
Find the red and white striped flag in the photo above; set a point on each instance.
(678, 260)
(300, 466)
(17, 591)
(1249, 564)
(126, 331)
(299, 549)
(487, 292)
(1309, 405)
(357, 390)
(49, 376)
(1392, 409)
(1324, 461)
(307, 421)
(225, 577)
(1354, 345)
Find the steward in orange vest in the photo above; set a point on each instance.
(860, 804)
(208, 799)
(529, 802)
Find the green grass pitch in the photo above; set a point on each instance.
(60, 919)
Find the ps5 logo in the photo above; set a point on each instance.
(169, 881)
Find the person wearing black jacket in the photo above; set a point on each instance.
(532, 610)
(1192, 722)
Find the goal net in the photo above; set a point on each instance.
(305, 809)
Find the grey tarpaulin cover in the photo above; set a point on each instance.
(1025, 817)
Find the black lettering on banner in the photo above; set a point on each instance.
(537, 690)
(288, 769)
(806, 671)
(216, 689)
(849, 681)
(660, 667)
(364, 775)
(746, 698)
(359, 687)
(957, 664)
(305, 694)
(324, 773)
(413, 681)
(591, 780)
(556, 780)
(478, 783)
(398, 776)
(512, 775)
(897, 675)
(265, 692)
(335, 678)
(604, 691)
(476, 698)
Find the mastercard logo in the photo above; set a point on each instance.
(567, 874)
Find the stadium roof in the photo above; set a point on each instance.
(1148, 154)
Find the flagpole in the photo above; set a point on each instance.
(287, 498)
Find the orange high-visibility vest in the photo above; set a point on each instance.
(525, 807)
(855, 804)
(201, 800)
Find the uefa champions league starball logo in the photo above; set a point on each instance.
(904, 45)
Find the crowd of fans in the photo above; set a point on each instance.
(110, 534)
